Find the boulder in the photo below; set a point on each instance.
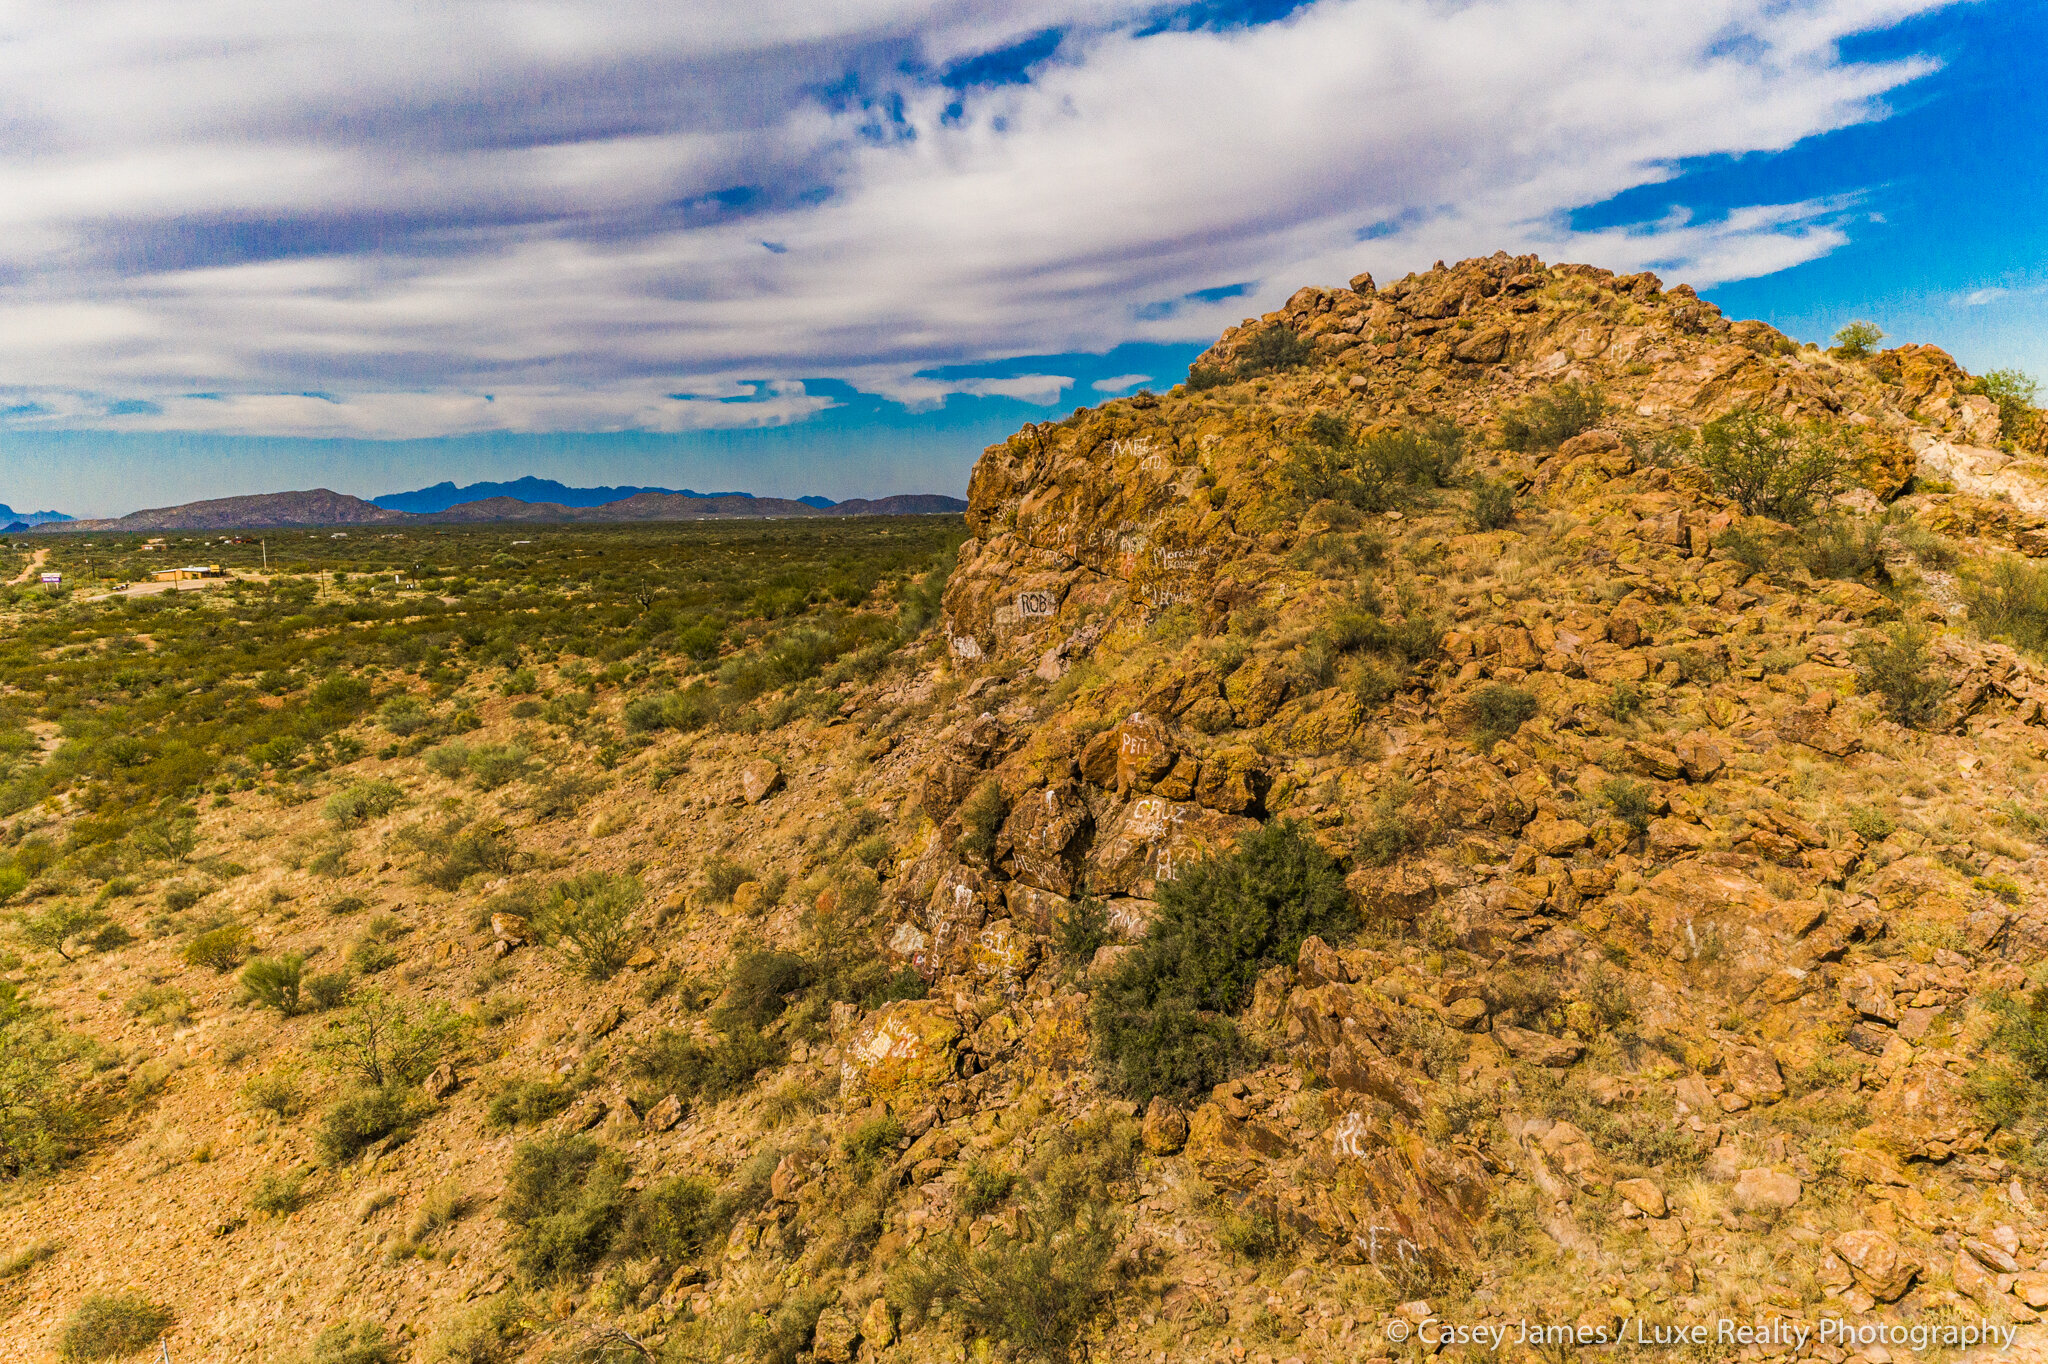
(835, 1336)
(1759, 1188)
(759, 780)
(1883, 1267)
(1165, 1128)
(663, 1115)
(1144, 752)
(1538, 1049)
(900, 1054)
(1642, 1194)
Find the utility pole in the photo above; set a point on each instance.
(266, 554)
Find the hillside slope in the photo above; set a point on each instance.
(1378, 833)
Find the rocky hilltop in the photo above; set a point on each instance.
(1385, 832)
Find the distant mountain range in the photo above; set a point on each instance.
(12, 520)
(323, 507)
(443, 496)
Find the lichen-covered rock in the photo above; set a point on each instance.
(900, 1054)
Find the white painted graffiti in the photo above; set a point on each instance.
(1036, 602)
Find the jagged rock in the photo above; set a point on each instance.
(510, 928)
(1755, 1075)
(1468, 1014)
(759, 780)
(878, 1325)
(1165, 1128)
(664, 1115)
(833, 1339)
(1642, 1194)
(1881, 1265)
(1318, 964)
(1538, 1049)
(442, 1082)
(1043, 834)
(1761, 1188)
(900, 1054)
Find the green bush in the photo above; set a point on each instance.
(362, 1117)
(278, 1194)
(274, 982)
(1493, 505)
(113, 1327)
(588, 919)
(405, 716)
(457, 850)
(1081, 929)
(566, 1200)
(723, 876)
(1161, 1024)
(983, 1188)
(1498, 710)
(222, 948)
(381, 1041)
(2009, 601)
(981, 819)
(757, 988)
(528, 1101)
(158, 1005)
(872, 1142)
(362, 802)
(2015, 393)
(356, 1343)
(673, 1062)
(1273, 348)
(674, 1220)
(1858, 339)
(1900, 669)
(1375, 472)
(54, 927)
(494, 765)
(274, 1091)
(1770, 468)
(1549, 420)
(1628, 801)
(39, 1111)
(1388, 832)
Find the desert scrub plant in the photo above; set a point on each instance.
(528, 1101)
(1628, 801)
(1493, 505)
(361, 1342)
(566, 1199)
(2015, 392)
(673, 1220)
(1272, 348)
(2008, 600)
(485, 1332)
(275, 983)
(274, 1091)
(380, 1040)
(1080, 929)
(39, 1113)
(222, 948)
(113, 1326)
(673, 1062)
(1498, 710)
(1161, 1023)
(588, 919)
(363, 1116)
(1250, 1232)
(984, 1188)
(1388, 832)
(457, 849)
(1332, 462)
(1547, 420)
(56, 927)
(1899, 669)
(1856, 340)
(405, 716)
(981, 819)
(723, 876)
(279, 1194)
(1771, 468)
(355, 806)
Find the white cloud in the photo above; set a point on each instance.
(1979, 297)
(1117, 383)
(410, 206)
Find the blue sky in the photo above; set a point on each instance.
(837, 248)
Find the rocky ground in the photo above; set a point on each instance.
(1671, 994)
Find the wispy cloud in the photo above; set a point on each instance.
(488, 215)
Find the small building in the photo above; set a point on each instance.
(187, 573)
(52, 579)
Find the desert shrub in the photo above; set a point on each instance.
(1870, 824)
(2009, 600)
(359, 804)
(2015, 393)
(326, 991)
(55, 927)
(1548, 420)
(222, 948)
(2010, 1086)
(520, 682)
(1161, 1024)
(588, 919)
(1493, 505)
(107, 1326)
(369, 956)
(1498, 710)
(1373, 472)
(494, 765)
(1900, 669)
(528, 1101)
(1081, 928)
(1770, 468)
(363, 1116)
(1388, 831)
(274, 1091)
(442, 1208)
(17, 1263)
(485, 1332)
(644, 714)
(457, 850)
(1202, 378)
(1272, 348)
(566, 1199)
(1251, 1232)
(1624, 699)
(158, 1005)
(1858, 339)
(757, 987)
(405, 716)
(274, 982)
(981, 819)
(984, 1188)
(672, 1062)
(1628, 801)
(562, 794)
(674, 1220)
(1845, 549)
(356, 1343)
(450, 760)
(383, 1041)
(871, 1142)
(278, 1194)
(723, 876)
(39, 1111)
